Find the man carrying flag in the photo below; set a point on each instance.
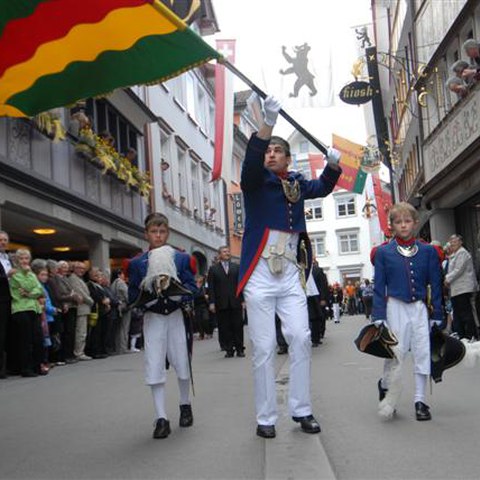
(276, 258)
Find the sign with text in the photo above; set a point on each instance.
(237, 203)
(458, 133)
(356, 93)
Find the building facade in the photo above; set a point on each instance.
(436, 131)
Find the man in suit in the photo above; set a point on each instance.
(318, 321)
(223, 301)
(5, 298)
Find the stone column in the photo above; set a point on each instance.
(442, 224)
(99, 253)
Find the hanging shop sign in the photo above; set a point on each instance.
(356, 93)
(237, 212)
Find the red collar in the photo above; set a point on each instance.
(405, 243)
(283, 175)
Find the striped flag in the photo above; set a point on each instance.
(55, 52)
(353, 178)
(222, 159)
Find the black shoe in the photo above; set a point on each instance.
(282, 350)
(186, 416)
(308, 424)
(266, 431)
(162, 428)
(422, 412)
(315, 345)
(240, 354)
(381, 391)
(229, 355)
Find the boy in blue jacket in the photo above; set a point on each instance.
(163, 324)
(404, 270)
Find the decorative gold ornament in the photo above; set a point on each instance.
(291, 190)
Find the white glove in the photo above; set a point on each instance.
(271, 107)
(333, 156)
(378, 323)
(436, 323)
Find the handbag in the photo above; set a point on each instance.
(92, 319)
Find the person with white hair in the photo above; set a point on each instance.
(26, 336)
(5, 297)
(462, 281)
(65, 299)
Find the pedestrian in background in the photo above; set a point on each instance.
(225, 304)
(5, 299)
(26, 350)
(120, 291)
(84, 307)
(367, 297)
(462, 281)
(202, 317)
(337, 300)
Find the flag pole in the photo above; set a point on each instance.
(321, 146)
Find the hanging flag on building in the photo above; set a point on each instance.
(383, 199)
(76, 50)
(317, 163)
(222, 159)
(353, 177)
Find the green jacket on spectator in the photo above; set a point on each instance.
(28, 281)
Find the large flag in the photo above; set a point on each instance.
(55, 52)
(353, 178)
(222, 159)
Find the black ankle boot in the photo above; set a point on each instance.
(186, 416)
(422, 412)
(162, 428)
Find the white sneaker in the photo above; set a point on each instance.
(134, 350)
(84, 357)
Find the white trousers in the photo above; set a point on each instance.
(266, 294)
(164, 336)
(336, 312)
(409, 322)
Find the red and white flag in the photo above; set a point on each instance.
(223, 114)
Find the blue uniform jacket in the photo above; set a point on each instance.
(137, 269)
(266, 206)
(406, 278)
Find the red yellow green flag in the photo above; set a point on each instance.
(353, 178)
(55, 52)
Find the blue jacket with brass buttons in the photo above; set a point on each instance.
(137, 270)
(266, 206)
(407, 278)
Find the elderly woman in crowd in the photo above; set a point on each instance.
(462, 281)
(26, 336)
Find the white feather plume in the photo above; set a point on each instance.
(161, 263)
(472, 353)
(387, 407)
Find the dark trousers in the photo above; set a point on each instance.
(96, 337)
(367, 301)
(26, 335)
(202, 321)
(351, 306)
(230, 323)
(5, 312)
(464, 321)
(69, 321)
